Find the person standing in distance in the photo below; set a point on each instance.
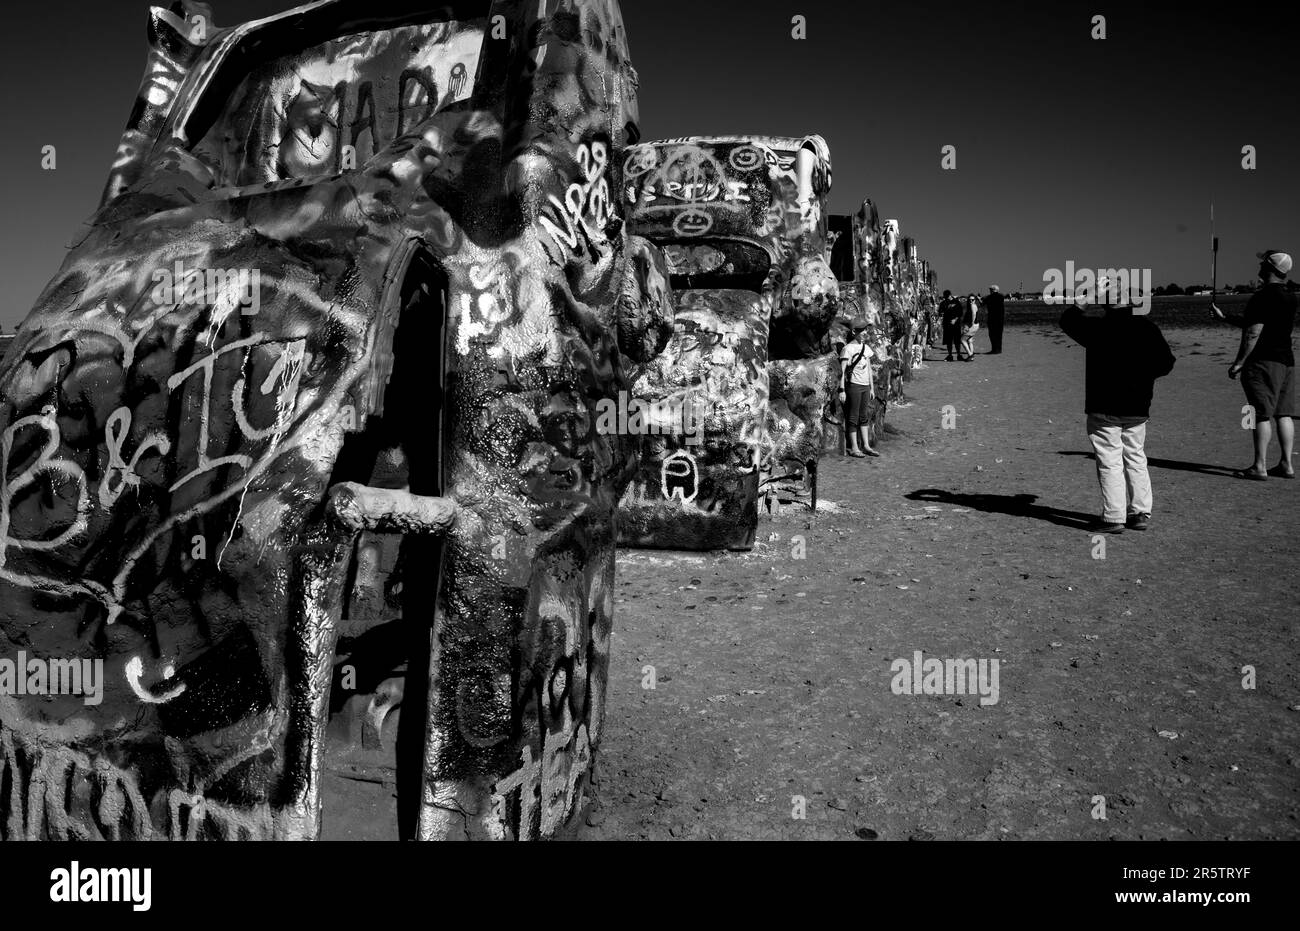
(857, 388)
(970, 324)
(996, 305)
(950, 313)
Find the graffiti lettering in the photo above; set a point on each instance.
(287, 369)
(120, 474)
(566, 757)
(586, 205)
(102, 320)
(493, 304)
(205, 365)
(45, 463)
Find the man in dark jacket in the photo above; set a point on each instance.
(1126, 354)
(950, 312)
(994, 303)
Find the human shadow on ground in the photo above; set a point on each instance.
(1175, 464)
(1021, 505)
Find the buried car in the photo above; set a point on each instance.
(882, 278)
(740, 220)
(873, 292)
(297, 443)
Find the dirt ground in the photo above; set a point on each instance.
(1119, 677)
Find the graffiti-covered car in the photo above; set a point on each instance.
(304, 422)
(741, 222)
(882, 278)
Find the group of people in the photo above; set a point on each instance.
(959, 319)
(960, 322)
(1126, 353)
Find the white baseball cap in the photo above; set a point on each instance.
(1279, 261)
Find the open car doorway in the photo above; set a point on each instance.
(373, 760)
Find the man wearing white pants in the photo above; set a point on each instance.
(1126, 353)
(1121, 468)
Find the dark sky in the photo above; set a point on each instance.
(1106, 152)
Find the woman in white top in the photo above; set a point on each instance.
(857, 390)
(970, 324)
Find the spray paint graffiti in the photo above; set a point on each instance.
(679, 477)
(800, 373)
(742, 223)
(586, 206)
(138, 430)
(704, 492)
(335, 104)
(804, 393)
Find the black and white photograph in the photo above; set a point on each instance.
(866, 429)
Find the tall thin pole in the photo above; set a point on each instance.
(1214, 255)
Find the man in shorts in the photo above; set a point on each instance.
(1266, 363)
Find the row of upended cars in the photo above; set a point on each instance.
(316, 450)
